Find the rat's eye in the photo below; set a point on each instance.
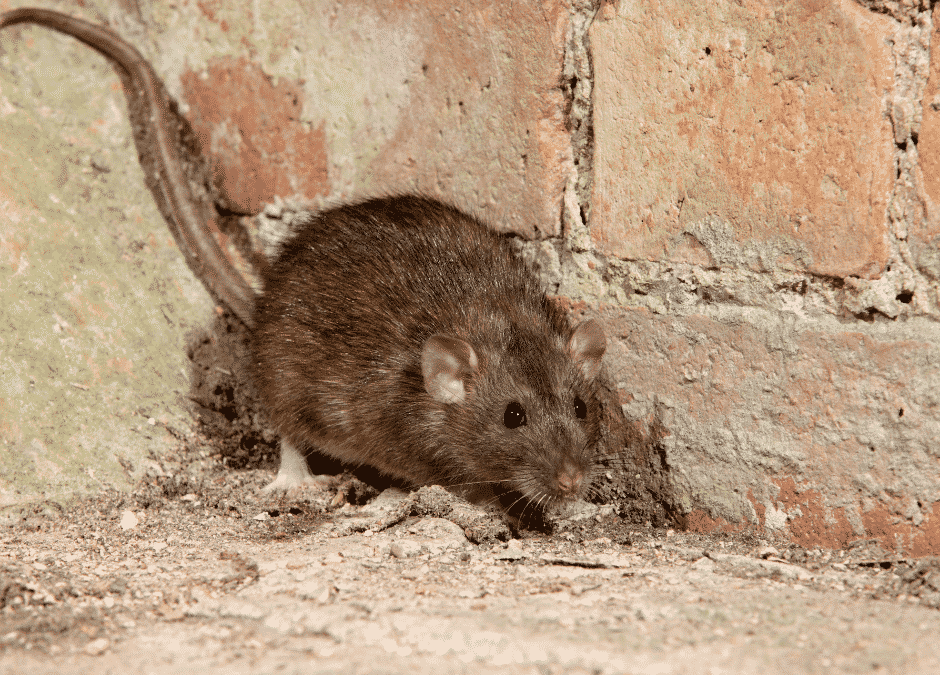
(514, 415)
(580, 408)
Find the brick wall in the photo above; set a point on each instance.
(745, 193)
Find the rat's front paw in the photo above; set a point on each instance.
(292, 473)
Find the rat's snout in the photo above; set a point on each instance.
(570, 478)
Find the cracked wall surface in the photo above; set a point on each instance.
(761, 200)
(746, 194)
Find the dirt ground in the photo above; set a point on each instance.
(198, 570)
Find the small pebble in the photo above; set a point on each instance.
(767, 552)
(415, 573)
(97, 647)
(703, 565)
(315, 590)
(129, 520)
(405, 549)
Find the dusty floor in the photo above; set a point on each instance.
(198, 571)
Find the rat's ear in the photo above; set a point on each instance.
(446, 362)
(587, 346)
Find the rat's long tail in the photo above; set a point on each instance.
(191, 233)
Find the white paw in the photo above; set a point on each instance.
(292, 473)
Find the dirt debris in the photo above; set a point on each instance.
(198, 547)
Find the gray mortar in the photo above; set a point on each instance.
(578, 85)
(709, 465)
(918, 266)
(901, 10)
(908, 272)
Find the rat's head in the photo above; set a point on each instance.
(524, 415)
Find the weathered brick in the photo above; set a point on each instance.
(462, 102)
(769, 117)
(924, 234)
(253, 133)
(789, 428)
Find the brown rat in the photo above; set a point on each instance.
(398, 333)
(404, 334)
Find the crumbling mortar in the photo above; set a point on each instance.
(578, 85)
(738, 293)
(902, 290)
(907, 11)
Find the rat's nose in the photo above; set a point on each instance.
(569, 479)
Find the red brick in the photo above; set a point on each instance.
(462, 103)
(819, 426)
(924, 233)
(770, 118)
(252, 133)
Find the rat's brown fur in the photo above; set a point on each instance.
(341, 327)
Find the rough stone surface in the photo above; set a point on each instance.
(765, 117)
(340, 101)
(842, 437)
(924, 233)
(226, 579)
(95, 300)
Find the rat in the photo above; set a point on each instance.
(396, 332)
